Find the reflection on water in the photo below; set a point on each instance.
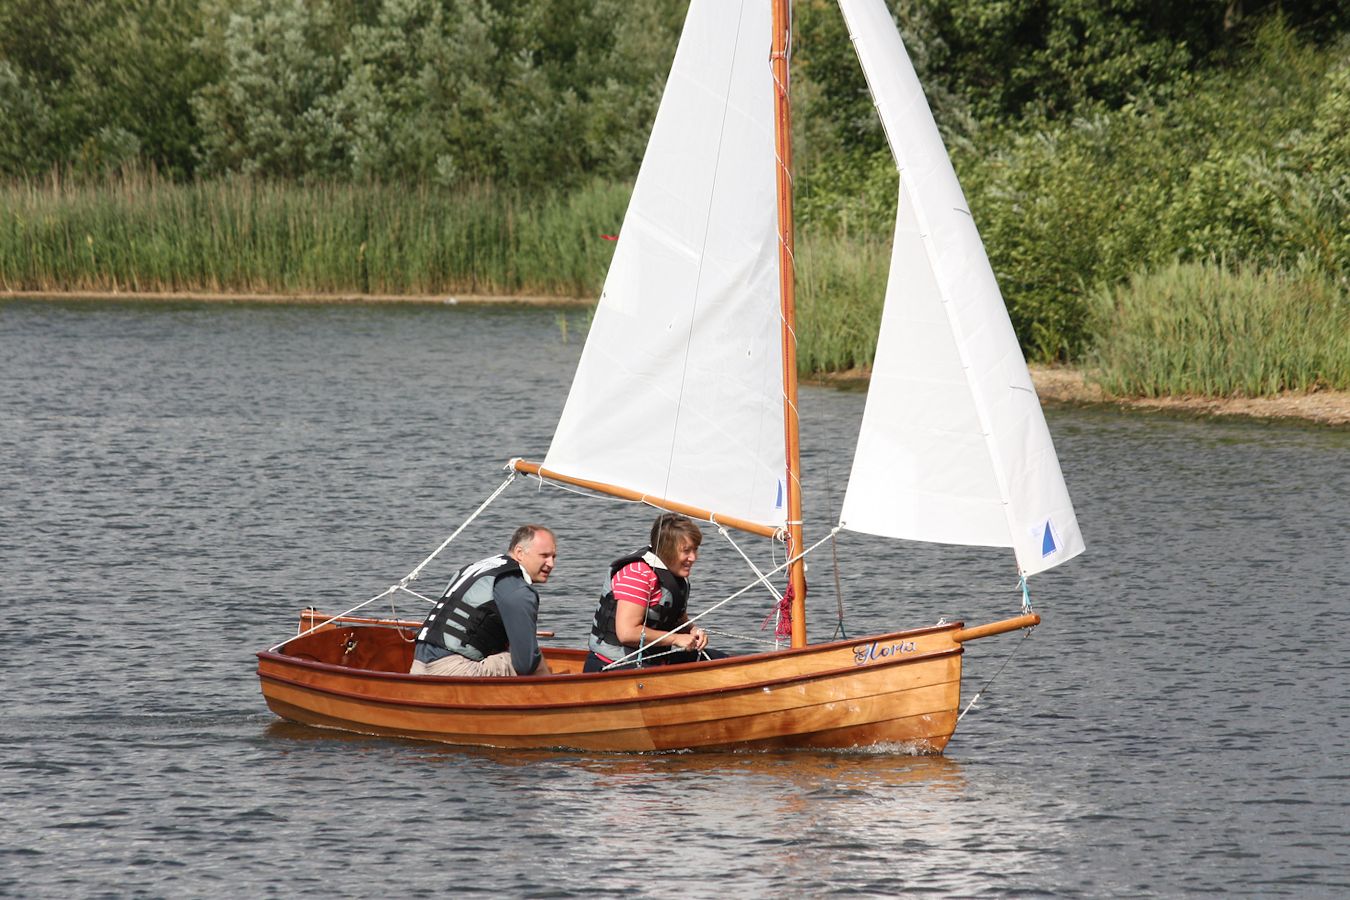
(821, 821)
(177, 481)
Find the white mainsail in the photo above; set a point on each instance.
(953, 446)
(679, 390)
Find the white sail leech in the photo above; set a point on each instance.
(678, 392)
(953, 446)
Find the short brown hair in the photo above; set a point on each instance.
(667, 531)
(524, 536)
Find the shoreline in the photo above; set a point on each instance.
(447, 299)
(1054, 384)
(1058, 385)
(1070, 386)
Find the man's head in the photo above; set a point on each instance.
(676, 540)
(534, 547)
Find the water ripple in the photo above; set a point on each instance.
(170, 502)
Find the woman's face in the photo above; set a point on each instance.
(686, 554)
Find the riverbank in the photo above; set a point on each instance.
(1053, 384)
(317, 299)
(1061, 385)
(1072, 387)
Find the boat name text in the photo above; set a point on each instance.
(865, 653)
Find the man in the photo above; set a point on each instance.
(485, 621)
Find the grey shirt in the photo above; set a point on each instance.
(518, 604)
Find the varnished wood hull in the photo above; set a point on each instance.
(898, 689)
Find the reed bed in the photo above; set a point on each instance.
(138, 232)
(841, 286)
(1197, 328)
(1218, 331)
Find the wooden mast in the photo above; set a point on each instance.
(782, 40)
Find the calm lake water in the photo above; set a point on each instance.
(177, 480)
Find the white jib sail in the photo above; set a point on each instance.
(679, 390)
(953, 447)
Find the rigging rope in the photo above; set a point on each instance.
(777, 611)
(838, 589)
(751, 638)
(760, 577)
(1025, 634)
(384, 593)
(402, 584)
(719, 604)
(412, 576)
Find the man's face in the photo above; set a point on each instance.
(537, 557)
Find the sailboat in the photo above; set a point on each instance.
(695, 333)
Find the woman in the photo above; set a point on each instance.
(646, 600)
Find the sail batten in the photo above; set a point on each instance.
(950, 397)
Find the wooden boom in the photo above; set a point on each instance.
(613, 490)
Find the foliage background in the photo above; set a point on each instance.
(1100, 142)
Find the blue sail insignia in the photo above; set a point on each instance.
(1048, 545)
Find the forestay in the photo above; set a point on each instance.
(953, 447)
(679, 390)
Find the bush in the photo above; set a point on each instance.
(1251, 166)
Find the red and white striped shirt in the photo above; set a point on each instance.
(637, 583)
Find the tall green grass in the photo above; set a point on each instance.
(137, 232)
(1178, 328)
(1213, 330)
(841, 286)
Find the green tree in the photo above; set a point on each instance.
(1056, 56)
(581, 85)
(271, 110)
(524, 92)
(25, 122)
(418, 95)
(93, 84)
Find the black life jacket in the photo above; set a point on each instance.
(466, 620)
(665, 615)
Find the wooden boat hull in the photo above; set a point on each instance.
(898, 689)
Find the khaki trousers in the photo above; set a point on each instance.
(498, 664)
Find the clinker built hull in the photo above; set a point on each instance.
(901, 688)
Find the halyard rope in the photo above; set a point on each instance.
(411, 576)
